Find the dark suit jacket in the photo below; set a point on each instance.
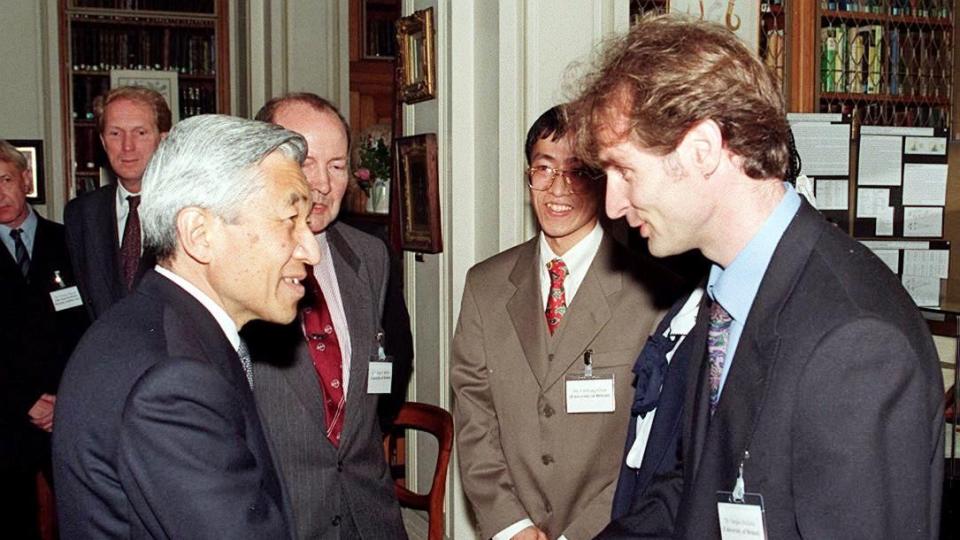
(36, 341)
(158, 434)
(835, 390)
(94, 244)
(662, 453)
(344, 492)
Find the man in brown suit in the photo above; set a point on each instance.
(532, 317)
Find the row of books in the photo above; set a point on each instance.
(190, 51)
(196, 97)
(871, 59)
(773, 51)
(891, 114)
(915, 8)
(381, 38)
(185, 6)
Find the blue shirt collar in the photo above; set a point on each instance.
(29, 228)
(735, 287)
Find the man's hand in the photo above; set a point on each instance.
(41, 414)
(530, 533)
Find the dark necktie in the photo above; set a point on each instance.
(718, 335)
(557, 299)
(244, 353)
(20, 251)
(325, 351)
(130, 246)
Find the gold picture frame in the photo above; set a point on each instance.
(416, 63)
(415, 160)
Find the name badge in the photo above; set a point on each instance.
(590, 394)
(741, 520)
(66, 298)
(379, 377)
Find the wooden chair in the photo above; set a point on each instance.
(439, 423)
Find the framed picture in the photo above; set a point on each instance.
(416, 67)
(415, 160)
(32, 149)
(164, 82)
(742, 17)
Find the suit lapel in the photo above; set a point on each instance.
(355, 294)
(747, 382)
(524, 309)
(107, 249)
(588, 313)
(302, 378)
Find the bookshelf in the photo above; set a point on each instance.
(887, 62)
(185, 40)
(773, 30)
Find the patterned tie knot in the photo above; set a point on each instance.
(719, 318)
(558, 270)
(133, 201)
(15, 233)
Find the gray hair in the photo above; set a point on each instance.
(207, 161)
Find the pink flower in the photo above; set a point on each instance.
(362, 174)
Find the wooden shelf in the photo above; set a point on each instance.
(883, 18)
(140, 17)
(885, 98)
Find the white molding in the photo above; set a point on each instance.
(513, 95)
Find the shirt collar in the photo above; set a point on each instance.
(579, 256)
(736, 286)
(226, 323)
(123, 193)
(29, 225)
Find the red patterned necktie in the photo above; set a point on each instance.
(557, 299)
(130, 246)
(718, 335)
(325, 352)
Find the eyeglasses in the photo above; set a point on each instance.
(578, 180)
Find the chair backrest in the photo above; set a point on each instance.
(439, 423)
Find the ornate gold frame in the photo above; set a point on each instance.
(416, 64)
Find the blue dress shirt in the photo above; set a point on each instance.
(29, 227)
(736, 286)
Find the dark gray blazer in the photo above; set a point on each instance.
(157, 432)
(344, 492)
(91, 223)
(836, 392)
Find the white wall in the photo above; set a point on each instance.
(29, 87)
(500, 64)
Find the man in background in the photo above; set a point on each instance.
(158, 432)
(103, 226)
(318, 380)
(41, 320)
(536, 462)
(817, 385)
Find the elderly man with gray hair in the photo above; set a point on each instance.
(158, 433)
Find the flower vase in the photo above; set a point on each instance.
(368, 202)
(380, 196)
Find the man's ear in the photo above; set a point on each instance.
(163, 135)
(196, 233)
(701, 148)
(26, 177)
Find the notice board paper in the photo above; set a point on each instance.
(925, 291)
(824, 148)
(927, 263)
(833, 194)
(871, 202)
(925, 184)
(890, 257)
(925, 146)
(922, 221)
(880, 160)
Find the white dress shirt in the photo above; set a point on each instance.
(681, 325)
(327, 278)
(219, 314)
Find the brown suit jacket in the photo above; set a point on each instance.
(520, 454)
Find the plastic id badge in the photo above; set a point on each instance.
(741, 520)
(380, 370)
(589, 393)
